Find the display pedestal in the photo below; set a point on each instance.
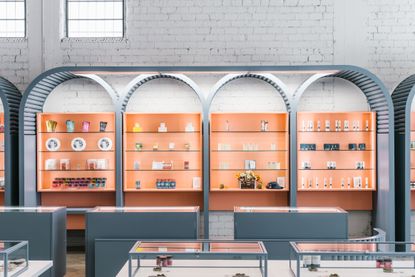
(45, 230)
(111, 232)
(276, 226)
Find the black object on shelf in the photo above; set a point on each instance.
(274, 185)
(308, 147)
(331, 147)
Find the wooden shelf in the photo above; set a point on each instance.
(149, 136)
(344, 158)
(245, 129)
(248, 190)
(82, 196)
(162, 190)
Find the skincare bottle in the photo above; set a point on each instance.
(310, 183)
(325, 182)
(357, 125)
(339, 125)
(366, 182)
(318, 126)
(346, 125)
(304, 126)
(227, 127)
(327, 125)
(316, 182)
(331, 183)
(348, 183)
(311, 125)
(302, 183)
(342, 183)
(367, 125)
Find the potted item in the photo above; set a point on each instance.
(102, 126)
(248, 180)
(51, 125)
(85, 126)
(70, 126)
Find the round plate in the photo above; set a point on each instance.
(53, 144)
(78, 144)
(105, 144)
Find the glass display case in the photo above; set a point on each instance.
(347, 258)
(76, 161)
(288, 210)
(165, 257)
(14, 258)
(145, 210)
(336, 154)
(163, 155)
(249, 154)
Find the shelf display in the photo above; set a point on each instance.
(336, 152)
(249, 153)
(162, 153)
(69, 156)
(326, 164)
(14, 254)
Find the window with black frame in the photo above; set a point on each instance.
(12, 18)
(95, 18)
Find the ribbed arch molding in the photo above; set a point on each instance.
(144, 78)
(402, 98)
(376, 94)
(35, 97)
(10, 96)
(271, 79)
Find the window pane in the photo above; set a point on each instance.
(12, 18)
(96, 18)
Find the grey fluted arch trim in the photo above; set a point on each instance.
(36, 94)
(10, 97)
(376, 94)
(275, 82)
(144, 78)
(402, 98)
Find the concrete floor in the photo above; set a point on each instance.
(75, 264)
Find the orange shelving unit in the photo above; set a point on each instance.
(336, 159)
(163, 165)
(76, 178)
(2, 160)
(241, 142)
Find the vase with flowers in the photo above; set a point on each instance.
(248, 180)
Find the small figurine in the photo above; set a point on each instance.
(162, 128)
(137, 128)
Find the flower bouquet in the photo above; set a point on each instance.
(248, 180)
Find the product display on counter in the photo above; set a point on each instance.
(162, 151)
(14, 257)
(340, 157)
(366, 258)
(165, 253)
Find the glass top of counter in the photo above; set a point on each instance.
(189, 209)
(198, 246)
(367, 248)
(30, 209)
(247, 209)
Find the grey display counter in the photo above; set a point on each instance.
(112, 231)
(276, 226)
(45, 230)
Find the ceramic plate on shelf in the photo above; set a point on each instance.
(53, 144)
(105, 144)
(78, 144)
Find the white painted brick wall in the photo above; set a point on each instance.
(222, 32)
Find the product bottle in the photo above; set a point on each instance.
(331, 183)
(366, 182)
(302, 183)
(316, 182)
(342, 183)
(318, 126)
(325, 182)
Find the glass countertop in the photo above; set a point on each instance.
(30, 209)
(199, 247)
(366, 248)
(238, 209)
(190, 209)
